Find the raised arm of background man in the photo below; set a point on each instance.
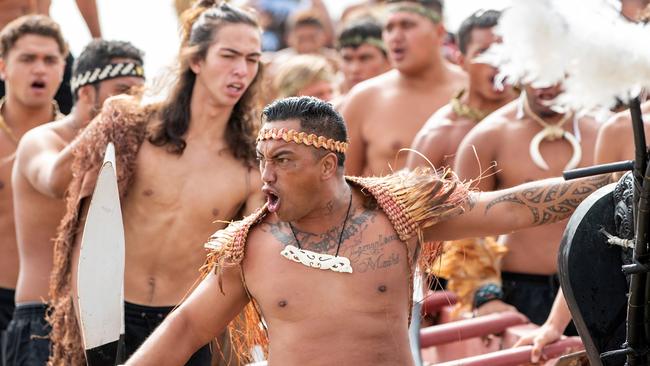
(88, 10)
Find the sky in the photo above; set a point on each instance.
(151, 25)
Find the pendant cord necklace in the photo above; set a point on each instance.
(338, 246)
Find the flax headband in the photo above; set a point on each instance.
(359, 40)
(109, 71)
(417, 9)
(302, 138)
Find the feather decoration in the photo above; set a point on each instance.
(586, 44)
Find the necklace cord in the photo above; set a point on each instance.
(338, 246)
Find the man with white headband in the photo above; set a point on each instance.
(40, 177)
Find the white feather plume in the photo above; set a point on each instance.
(597, 54)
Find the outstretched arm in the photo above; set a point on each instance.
(526, 205)
(199, 319)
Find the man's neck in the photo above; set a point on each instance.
(330, 211)
(208, 119)
(21, 118)
(474, 100)
(432, 73)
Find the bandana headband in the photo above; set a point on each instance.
(294, 136)
(106, 72)
(417, 9)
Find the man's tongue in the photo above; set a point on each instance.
(273, 202)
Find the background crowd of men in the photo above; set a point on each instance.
(412, 94)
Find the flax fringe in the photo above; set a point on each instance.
(468, 264)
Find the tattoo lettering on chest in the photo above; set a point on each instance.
(325, 242)
(552, 202)
(374, 255)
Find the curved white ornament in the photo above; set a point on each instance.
(317, 260)
(552, 133)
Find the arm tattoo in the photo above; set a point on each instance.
(551, 201)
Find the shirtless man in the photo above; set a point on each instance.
(529, 267)
(40, 176)
(363, 53)
(354, 310)
(184, 165)
(443, 132)
(12, 9)
(614, 143)
(385, 113)
(32, 51)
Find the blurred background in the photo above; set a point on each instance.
(152, 25)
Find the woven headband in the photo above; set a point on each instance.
(108, 71)
(417, 9)
(304, 138)
(357, 41)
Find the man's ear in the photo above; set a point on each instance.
(3, 65)
(195, 65)
(329, 165)
(86, 94)
(460, 58)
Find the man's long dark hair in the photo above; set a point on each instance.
(200, 27)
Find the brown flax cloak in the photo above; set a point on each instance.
(122, 122)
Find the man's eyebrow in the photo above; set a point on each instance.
(278, 153)
(238, 53)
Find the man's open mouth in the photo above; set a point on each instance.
(272, 199)
(38, 85)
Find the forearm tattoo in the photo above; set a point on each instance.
(551, 201)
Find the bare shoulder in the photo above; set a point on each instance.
(436, 127)
(617, 124)
(456, 73)
(42, 136)
(494, 124)
(444, 116)
(589, 123)
(370, 88)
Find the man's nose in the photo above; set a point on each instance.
(241, 69)
(268, 174)
(39, 67)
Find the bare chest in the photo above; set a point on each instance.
(188, 188)
(290, 291)
(392, 123)
(7, 150)
(516, 148)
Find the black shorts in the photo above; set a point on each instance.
(7, 306)
(140, 321)
(532, 295)
(26, 341)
